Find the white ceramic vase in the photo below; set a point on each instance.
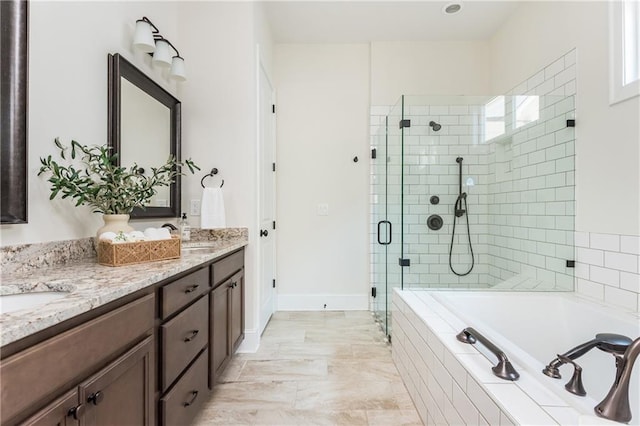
(115, 223)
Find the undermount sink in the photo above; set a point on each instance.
(16, 302)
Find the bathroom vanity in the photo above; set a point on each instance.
(146, 351)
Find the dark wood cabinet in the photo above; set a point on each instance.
(41, 373)
(183, 402)
(121, 393)
(148, 358)
(220, 335)
(64, 411)
(236, 317)
(227, 313)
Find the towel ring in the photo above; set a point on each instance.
(214, 171)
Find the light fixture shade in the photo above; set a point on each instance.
(143, 37)
(162, 54)
(178, 71)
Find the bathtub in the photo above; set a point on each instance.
(451, 382)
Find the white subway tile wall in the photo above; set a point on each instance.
(608, 268)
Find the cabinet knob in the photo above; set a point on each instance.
(232, 284)
(192, 288)
(192, 336)
(194, 395)
(76, 412)
(96, 398)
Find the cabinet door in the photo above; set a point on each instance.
(122, 392)
(64, 411)
(236, 325)
(219, 340)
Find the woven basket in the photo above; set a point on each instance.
(121, 254)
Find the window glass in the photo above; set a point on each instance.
(631, 46)
(527, 109)
(494, 118)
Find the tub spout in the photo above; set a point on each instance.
(615, 406)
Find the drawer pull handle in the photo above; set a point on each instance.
(76, 412)
(192, 336)
(96, 398)
(194, 395)
(192, 288)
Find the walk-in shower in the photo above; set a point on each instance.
(472, 193)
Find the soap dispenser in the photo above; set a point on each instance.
(185, 229)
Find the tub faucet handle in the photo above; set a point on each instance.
(574, 385)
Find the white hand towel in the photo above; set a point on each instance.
(212, 209)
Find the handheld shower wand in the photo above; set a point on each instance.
(459, 211)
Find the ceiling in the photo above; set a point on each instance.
(364, 21)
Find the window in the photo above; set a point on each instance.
(624, 34)
(494, 118)
(527, 109)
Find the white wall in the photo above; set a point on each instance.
(428, 68)
(322, 115)
(219, 106)
(68, 47)
(607, 137)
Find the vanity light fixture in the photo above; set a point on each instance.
(147, 39)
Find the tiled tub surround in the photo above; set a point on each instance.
(608, 268)
(451, 382)
(89, 284)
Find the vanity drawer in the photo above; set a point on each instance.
(40, 372)
(182, 338)
(182, 404)
(223, 269)
(183, 291)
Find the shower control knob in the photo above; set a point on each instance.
(264, 233)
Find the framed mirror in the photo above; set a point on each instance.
(144, 128)
(14, 17)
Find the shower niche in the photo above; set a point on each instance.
(513, 184)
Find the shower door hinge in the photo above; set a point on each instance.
(274, 283)
(404, 262)
(273, 167)
(405, 123)
(571, 123)
(571, 263)
(374, 153)
(373, 292)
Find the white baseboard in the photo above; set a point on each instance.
(251, 342)
(317, 302)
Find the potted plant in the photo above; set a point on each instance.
(109, 189)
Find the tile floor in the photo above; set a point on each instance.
(313, 368)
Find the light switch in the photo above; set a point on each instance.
(323, 209)
(194, 207)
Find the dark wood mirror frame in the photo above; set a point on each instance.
(14, 59)
(121, 68)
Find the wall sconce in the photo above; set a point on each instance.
(148, 39)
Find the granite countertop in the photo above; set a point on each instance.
(91, 285)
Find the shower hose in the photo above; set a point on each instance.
(453, 235)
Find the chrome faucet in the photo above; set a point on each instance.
(614, 344)
(615, 406)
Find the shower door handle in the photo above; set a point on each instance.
(389, 233)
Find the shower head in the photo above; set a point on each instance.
(459, 160)
(435, 126)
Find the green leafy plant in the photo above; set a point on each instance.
(101, 184)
